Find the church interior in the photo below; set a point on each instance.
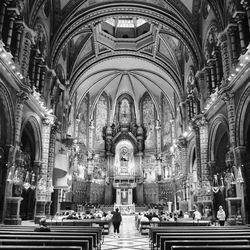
(131, 104)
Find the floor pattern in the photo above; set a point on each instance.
(130, 238)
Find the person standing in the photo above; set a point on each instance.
(221, 216)
(196, 215)
(116, 220)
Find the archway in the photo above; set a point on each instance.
(220, 148)
(6, 140)
(30, 149)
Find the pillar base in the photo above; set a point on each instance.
(12, 216)
(9, 221)
(40, 211)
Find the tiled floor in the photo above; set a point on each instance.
(129, 239)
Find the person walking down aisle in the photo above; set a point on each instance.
(221, 216)
(116, 220)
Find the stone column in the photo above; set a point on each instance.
(2, 15)
(24, 53)
(200, 76)
(20, 28)
(42, 78)
(38, 73)
(48, 83)
(211, 63)
(158, 149)
(239, 17)
(13, 203)
(246, 6)
(231, 29)
(229, 100)
(196, 128)
(51, 161)
(241, 189)
(208, 79)
(12, 16)
(205, 173)
(21, 98)
(183, 144)
(41, 193)
(217, 67)
(33, 67)
(223, 43)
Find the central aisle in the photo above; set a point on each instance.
(130, 238)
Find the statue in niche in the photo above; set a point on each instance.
(124, 161)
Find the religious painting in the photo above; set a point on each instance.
(148, 114)
(100, 120)
(83, 124)
(166, 124)
(125, 112)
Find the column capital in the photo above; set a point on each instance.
(231, 28)
(239, 15)
(200, 75)
(13, 13)
(19, 26)
(222, 37)
(226, 97)
(47, 121)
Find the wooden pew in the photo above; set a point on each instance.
(146, 225)
(198, 237)
(157, 232)
(82, 244)
(96, 233)
(167, 244)
(222, 247)
(49, 237)
(10, 247)
(85, 222)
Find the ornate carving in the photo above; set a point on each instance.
(22, 97)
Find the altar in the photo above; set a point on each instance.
(125, 209)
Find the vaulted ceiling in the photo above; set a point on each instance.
(130, 47)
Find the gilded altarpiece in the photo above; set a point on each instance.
(83, 124)
(101, 117)
(100, 168)
(149, 168)
(148, 114)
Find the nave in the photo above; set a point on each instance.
(130, 237)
